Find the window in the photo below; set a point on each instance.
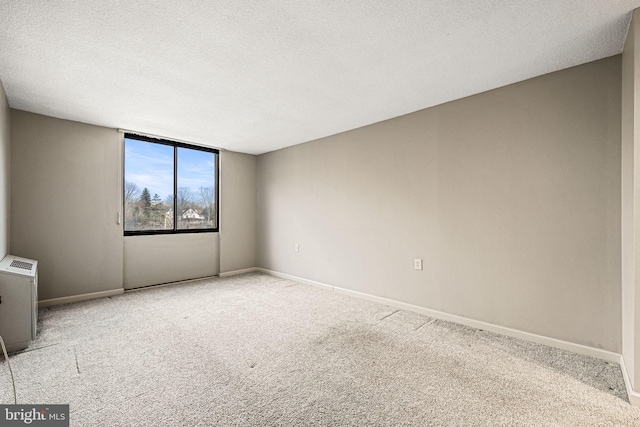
(169, 187)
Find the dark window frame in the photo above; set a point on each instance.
(175, 145)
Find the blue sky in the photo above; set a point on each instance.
(150, 165)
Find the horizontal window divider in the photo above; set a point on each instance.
(169, 232)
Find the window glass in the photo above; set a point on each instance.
(196, 196)
(148, 186)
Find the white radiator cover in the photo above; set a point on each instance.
(18, 301)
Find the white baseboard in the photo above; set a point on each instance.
(503, 330)
(634, 396)
(296, 279)
(551, 342)
(234, 272)
(76, 298)
(161, 285)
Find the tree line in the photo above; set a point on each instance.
(146, 212)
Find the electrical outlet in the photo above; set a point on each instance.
(417, 264)
(297, 248)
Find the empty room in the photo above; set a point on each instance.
(278, 213)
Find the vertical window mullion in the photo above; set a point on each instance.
(217, 189)
(175, 188)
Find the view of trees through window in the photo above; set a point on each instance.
(168, 187)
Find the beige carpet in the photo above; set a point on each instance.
(255, 350)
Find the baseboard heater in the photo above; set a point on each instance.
(18, 301)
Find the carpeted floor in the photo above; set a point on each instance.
(255, 350)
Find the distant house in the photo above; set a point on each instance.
(191, 215)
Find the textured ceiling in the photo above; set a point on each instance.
(255, 76)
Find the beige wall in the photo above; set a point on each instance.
(511, 197)
(237, 211)
(631, 202)
(65, 189)
(5, 171)
(151, 260)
